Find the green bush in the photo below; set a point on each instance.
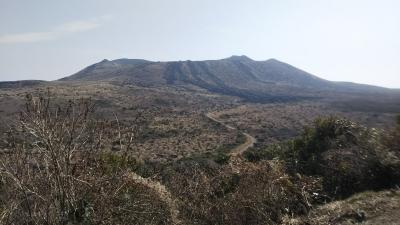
(348, 156)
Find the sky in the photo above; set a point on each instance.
(339, 40)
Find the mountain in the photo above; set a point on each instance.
(233, 71)
(237, 75)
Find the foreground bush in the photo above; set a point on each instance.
(53, 173)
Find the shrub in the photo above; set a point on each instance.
(274, 151)
(350, 157)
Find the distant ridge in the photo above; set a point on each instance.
(21, 83)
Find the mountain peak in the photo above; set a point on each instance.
(273, 60)
(125, 61)
(239, 57)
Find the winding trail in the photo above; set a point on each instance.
(163, 191)
(238, 150)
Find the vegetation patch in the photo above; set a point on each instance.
(349, 157)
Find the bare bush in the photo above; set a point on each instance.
(53, 173)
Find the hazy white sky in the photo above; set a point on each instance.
(342, 40)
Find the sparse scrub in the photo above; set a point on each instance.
(63, 166)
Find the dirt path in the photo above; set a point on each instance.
(238, 150)
(163, 191)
